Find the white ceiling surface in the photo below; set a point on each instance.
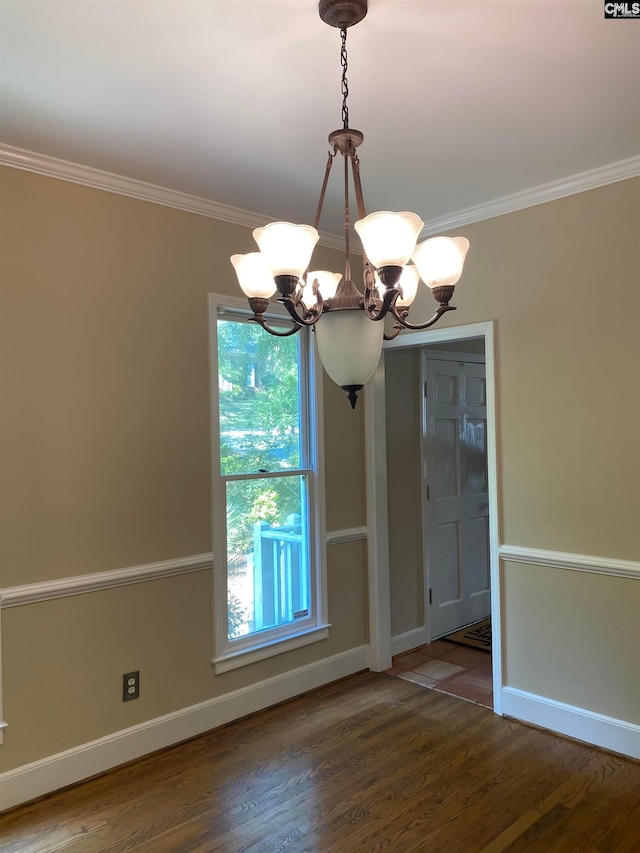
(461, 101)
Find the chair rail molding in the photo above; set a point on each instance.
(351, 534)
(31, 593)
(573, 562)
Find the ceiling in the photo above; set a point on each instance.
(461, 101)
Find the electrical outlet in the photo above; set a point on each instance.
(131, 686)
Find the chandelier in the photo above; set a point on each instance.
(351, 330)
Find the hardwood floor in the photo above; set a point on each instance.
(371, 763)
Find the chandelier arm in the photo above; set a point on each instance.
(347, 220)
(324, 188)
(259, 319)
(393, 333)
(401, 317)
(310, 317)
(357, 183)
(388, 304)
(367, 273)
(369, 281)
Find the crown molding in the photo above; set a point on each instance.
(52, 167)
(590, 180)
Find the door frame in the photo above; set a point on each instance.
(377, 516)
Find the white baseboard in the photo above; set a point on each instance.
(578, 723)
(57, 771)
(410, 640)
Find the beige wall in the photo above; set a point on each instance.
(573, 636)
(404, 481)
(562, 283)
(105, 461)
(105, 450)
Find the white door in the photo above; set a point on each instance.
(456, 500)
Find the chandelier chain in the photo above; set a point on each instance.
(348, 358)
(345, 83)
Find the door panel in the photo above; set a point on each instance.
(478, 545)
(457, 501)
(447, 550)
(476, 390)
(475, 457)
(446, 389)
(447, 474)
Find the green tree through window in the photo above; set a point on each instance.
(263, 463)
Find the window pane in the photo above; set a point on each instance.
(267, 558)
(258, 399)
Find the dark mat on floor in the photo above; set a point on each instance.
(478, 636)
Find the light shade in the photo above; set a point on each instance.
(349, 344)
(286, 247)
(389, 239)
(327, 285)
(440, 259)
(409, 281)
(254, 276)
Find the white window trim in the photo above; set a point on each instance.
(225, 659)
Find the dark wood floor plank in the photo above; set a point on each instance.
(368, 764)
(503, 794)
(624, 837)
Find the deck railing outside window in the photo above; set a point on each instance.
(280, 580)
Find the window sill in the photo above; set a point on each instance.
(256, 653)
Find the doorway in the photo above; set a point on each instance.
(385, 638)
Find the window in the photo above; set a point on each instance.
(269, 589)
